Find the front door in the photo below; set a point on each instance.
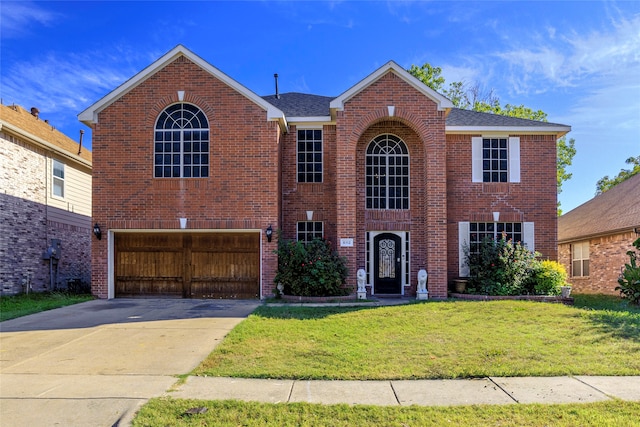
(387, 265)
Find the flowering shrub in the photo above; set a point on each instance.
(546, 278)
(311, 269)
(500, 267)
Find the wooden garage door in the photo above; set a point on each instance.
(187, 265)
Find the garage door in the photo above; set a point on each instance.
(187, 265)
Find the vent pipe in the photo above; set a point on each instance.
(80, 143)
(275, 76)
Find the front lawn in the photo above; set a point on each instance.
(452, 339)
(23, 304)
(172, 412)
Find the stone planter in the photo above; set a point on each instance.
(460, 286)
(565, 291)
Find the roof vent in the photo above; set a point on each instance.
(35, 112)
(275, 76)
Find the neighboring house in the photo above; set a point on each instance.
(593, 239)
(191, 169)
(45, 205)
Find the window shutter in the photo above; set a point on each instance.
(528, 236)
(476, 159)
(514, 159)
(463, 240)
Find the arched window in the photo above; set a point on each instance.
(387, 173)
(181, 143)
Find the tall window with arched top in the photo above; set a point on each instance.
(387, 173)
(181, 143)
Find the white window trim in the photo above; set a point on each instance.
(54, 178)
(513, 148)
(582, 258)
(528, 239)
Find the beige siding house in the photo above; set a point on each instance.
(45, 205)
(593, 239)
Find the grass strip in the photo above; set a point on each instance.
(173, 412)
(23, 304)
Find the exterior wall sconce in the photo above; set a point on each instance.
(269, 232)
(97, 232)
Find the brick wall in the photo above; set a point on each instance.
(607, 256)
(241, 191)
(533, 199)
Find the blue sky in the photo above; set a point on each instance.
(577, 61)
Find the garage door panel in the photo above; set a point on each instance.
(197, 265)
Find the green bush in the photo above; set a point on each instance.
(310, 269)
(501, 267)
(629, 280)
(546, 278)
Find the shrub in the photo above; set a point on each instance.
(501, 267)
(547, 277)
(310, 269)
(629, 280)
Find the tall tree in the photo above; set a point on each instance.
(605, 183)
(471, 97)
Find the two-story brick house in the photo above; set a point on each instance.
(191, 169)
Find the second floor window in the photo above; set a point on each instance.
(387, 173)
(309, 155)
(181, 143)
(495, 159)
(58, 178)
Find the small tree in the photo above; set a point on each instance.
(629, 280)
(310, 269)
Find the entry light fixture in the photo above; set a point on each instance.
(97, 232)
(269, 232)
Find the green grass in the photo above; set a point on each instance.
(172, 412)
(453, 339)
(21, 305)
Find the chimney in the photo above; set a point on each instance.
(275, 76)
(35, 112)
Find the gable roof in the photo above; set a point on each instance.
(18, 121)
(90, 115)
(441, 101)
(295, 104)
(615, 210)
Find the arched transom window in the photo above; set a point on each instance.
(387, 173)
(181, 143)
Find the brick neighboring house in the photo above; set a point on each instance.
(593, 239)
(191, 168)
(45, 202)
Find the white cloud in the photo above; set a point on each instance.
(19, 17)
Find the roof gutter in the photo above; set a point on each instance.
(630, 229)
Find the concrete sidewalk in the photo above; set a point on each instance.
(498, 391)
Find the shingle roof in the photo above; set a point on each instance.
(295, 104)
(26, 122)
(614, 210)
(459, 117)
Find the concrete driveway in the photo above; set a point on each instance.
(94, 364)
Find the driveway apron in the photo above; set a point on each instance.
(96, 363)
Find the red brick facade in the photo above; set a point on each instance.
(607, 257)
(253, 182)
